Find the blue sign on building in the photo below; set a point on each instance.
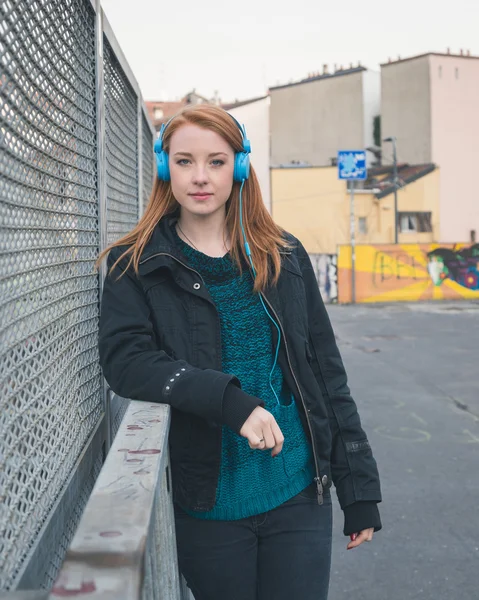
(352, 164)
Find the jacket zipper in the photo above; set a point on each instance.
(317, 479)
(174, 258)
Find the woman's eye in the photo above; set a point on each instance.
(186, 161)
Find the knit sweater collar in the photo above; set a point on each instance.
(212, 268)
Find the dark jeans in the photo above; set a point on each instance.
(283, 554)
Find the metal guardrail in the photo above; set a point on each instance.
(76, 168)
(124, 547)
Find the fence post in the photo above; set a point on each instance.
(140, 159)
(102, 187)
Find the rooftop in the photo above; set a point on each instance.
(238, 103)
(169, 109)
(338, 72)
(462, 54)
(382, 178)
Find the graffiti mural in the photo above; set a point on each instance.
(410, 272)
(326, 270)
(457, 265)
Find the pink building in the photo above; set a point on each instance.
(431, 104)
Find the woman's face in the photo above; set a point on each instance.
(201, 167)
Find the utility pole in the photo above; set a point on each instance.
(395, 182)
(353, 242)
(352, 167)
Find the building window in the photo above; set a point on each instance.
(407, 223)
(457, 73)
(159, 113)
(440, 71)
(363, 225)
(419, 222)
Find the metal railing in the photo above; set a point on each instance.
(76, 169)
(124, 547)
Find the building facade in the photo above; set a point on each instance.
(314, 118)
(314, 205)
(430, 103)
(160, 112)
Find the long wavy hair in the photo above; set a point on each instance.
(265, 238)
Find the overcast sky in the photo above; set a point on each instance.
(242, 48)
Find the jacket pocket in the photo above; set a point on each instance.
(296, 452)
(159, 296)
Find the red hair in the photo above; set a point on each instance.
(265, 238)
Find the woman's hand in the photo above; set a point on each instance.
(262, 431)
(366, 535)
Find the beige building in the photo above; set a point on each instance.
(314, 118)
(431, 104)
(314, 205)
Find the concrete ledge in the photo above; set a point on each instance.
(107, 556)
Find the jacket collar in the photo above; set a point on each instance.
(162, 240)
(162, 243)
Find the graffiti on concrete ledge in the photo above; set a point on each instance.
(410, 272)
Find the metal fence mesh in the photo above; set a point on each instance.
(58, 553)
(146, 146)
(121, 131)
(50, 380)
(49, 375)
(162, 579)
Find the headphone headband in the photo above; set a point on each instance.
(242, 160)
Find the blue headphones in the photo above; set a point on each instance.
(242, 161)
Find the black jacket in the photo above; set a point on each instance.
(160, 341)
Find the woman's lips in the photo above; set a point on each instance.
(200, 196)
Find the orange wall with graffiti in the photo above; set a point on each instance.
(409, 272)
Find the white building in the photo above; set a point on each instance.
(254, 115)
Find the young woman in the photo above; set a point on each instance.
(213, 309)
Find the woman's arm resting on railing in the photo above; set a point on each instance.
(136, 368)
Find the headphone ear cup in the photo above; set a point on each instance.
(162, 166)
(242, 165)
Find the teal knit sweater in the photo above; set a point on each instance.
(251, 481)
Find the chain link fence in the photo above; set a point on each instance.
(58, 90)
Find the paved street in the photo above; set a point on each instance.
(413, 370)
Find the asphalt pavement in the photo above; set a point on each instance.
(414, 373)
